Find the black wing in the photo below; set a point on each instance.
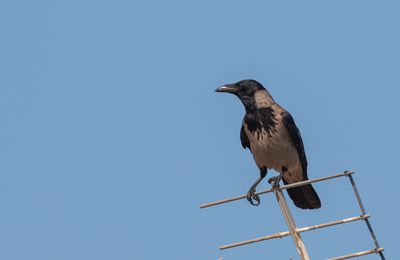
(294, 133)
(244, 139)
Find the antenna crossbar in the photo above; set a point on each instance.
(288, 186)
(367, 252)
(299, 230)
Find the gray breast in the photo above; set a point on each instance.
(275, 150)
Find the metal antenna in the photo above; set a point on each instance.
(294, 231)
(371, 231)
(301, 248)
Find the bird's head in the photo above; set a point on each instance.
(252, 94)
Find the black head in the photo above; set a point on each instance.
(249, 91)
(242, 88)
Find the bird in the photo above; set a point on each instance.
(271, 135)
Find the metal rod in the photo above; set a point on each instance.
(299, 230)
(301, 183)
(353, 184)
(371, 231)
(333, 223)
(301, 248)
(250, 241)
(368, 252)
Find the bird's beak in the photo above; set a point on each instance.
(230, 88)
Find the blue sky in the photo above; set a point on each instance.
(112, 135)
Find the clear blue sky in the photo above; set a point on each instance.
(112, 134)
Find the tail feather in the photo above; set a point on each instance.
(304, 197)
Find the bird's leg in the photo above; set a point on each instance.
(275, 180)
(251, 194)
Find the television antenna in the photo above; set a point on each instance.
(294, 231)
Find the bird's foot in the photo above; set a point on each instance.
(274, 181)
(253, 198)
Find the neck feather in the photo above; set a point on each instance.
(262, 99)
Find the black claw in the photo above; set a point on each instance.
(271, 180)
(256, 198)
(251, 197)
(275, 180)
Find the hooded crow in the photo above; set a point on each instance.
(271, 135)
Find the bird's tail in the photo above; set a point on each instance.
(304, 197)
